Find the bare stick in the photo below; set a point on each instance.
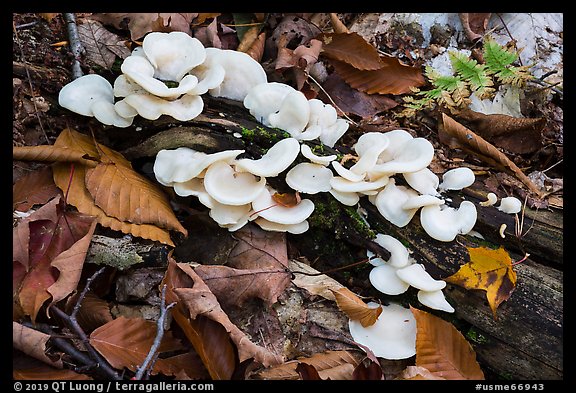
(153, 353)
(75, 44)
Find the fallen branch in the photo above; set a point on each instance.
(75, 44)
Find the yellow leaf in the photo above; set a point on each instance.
(355, 309)
(488, 270)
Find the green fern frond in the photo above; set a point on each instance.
(499, 60)
(475, 74)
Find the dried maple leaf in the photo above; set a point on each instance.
(488, 270)
(443, 350)
(354, 308)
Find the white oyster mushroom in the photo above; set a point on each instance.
(151, 107)
(330, 135)
(369, 157)
(424, 181)
(323, 123)
(398, 252)
(392, 336)
(457, 179)
(435, 300)
(293, 114)
(347, 173)
(343, 185)
(295, 229)
(345, 198)
(491, 199)
(309, 178)
(510, 205)
(418, 277)
(241, 73)
(413, 155)
(322, 160)
(265, 99)
(369, 139)
(396, 139)
(229, 187)
(195, 187)
(421, 201)
(390, 200)
(264, 206)
(226, 215)
(277, 159)
(444, 223)
(105, 112)
(385, 280)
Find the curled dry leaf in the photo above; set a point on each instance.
(352, 49)
(443, 350)
(354, 308)
(417, 373)
(457, 136)
(33, 343)
(474, 24)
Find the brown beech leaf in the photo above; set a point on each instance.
(417, 373)
(34, 188)
(101, 45)
(354, 308)
(33, 343)
(287, 199)
(93, 313)
(141, 23)
(351, 48)
(488, 270)
(125, 343)
(27, 368)
(392, 78)
(49, 248)
(370, 372)
(210, 339)
(334, 365)
(198, 300)
(457, 136)
(443, 350)
(51, 153)
(514, 134)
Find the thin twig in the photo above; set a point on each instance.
(153, 353)
(75, 44)
(84, 292)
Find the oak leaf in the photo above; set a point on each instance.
(443, 350)
(354, 308)
(488, 270)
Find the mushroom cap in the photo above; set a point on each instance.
(79, 95)
(105, 113)
(331, 134)
(343, 185)
(293, 114)
(443, 222)
(369, 156)
(295, 229)
(172, 54)
(435, 300)
(265, 99)
(396, 138)
(510, 205)
(241, 73)
(345, 198)
(151, 107)
(420, 201)
(264, 206)
(413, 155)
(398, 252)
(457, 179)
(309, 178)
(229, 187)
(277, 159)
(208, 78)
(491, 200)
(392, 336)
(226, 215)
(390, 200)
(385, 280)
(416, 276)
(194, 187)
(309, 154)
(424, 181)
(369, 139)
(347, 173)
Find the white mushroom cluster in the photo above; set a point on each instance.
(281, 106)
(235, 190)
(167, 75)
(400, 272)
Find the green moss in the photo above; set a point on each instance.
(475, 336)
(259, 133)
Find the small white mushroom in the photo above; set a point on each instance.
(322, 160)
(390, 200)
(309, 178)
(457, 179)
(424, 181)
(385, 280)
(347, 173)
(491, 199)
(343, 185)
(105, 112)
(331, 134)
(264, 206)
(369, 157)
(392, 336)
(416, 276)
(345, 198)
(79, 95)
(295, 229)
(443, 222)
(151, 107)
(265, 99)
(229, 187)
(227, 215)
(435, 300)
(398, 252)
(277, 159)
(397, 138)
(413, 155)
(293, 114)
(510, 205)
(369, 139)
(420, 201)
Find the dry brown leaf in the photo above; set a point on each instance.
(312, 281)
(35, 188)
(209, 338)
(353, 49)
(140, 24)
(248, 39)
(125, 343)
(101, 45)
(256, 50)
(334, 365)
(198, 300)
(456, 136)
(33, 343)
(392, 78)
(474, 24)
(287, 199)
(26, 368)
(337, 24)
(93, 313)
(514, 134)
(443, 350)
(417, 373)
(354, 308)
(51, 153)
